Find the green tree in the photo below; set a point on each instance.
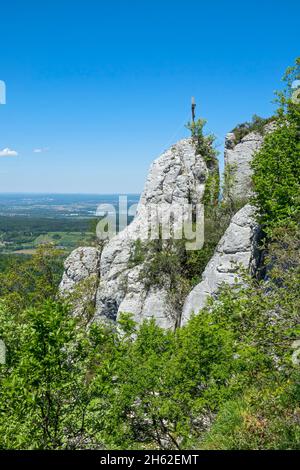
(277, 165)
(33, 280)
(44, 386)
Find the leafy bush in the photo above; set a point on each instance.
(204, 143)
(263, 418)
(144, 387)
(277, 165)
(43, 384)
(33, 280)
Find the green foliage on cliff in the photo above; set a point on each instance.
(204, 143)
(277, 165)
(205, 148)
(169, 264)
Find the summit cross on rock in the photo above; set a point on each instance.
(193, 109)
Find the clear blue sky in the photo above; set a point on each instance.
(100, 88)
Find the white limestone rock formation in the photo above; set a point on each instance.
(80, 278)
(238, 159)
(176, 177)
(237, 248)
(80, 264)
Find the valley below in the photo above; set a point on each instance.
(64, 220)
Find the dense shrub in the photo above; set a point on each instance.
(204, 143)
(263, 418)
(277, 165)
(167, 388)
(29, 281)
(44, 391)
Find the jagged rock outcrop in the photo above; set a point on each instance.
(237, 248)
(238, 159)
(80, 264)
(177, 177)
(80, 278)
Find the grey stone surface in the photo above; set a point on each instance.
(176, 177)
(80, 264)
(80, 280)
(237, 248)
(238, 158)
(237, 162)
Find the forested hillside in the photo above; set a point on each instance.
(228, 379)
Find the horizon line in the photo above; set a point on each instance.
(67, 193)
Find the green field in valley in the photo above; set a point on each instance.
(22, 235)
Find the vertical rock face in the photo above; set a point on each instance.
(81, 277)
(177, 177)
(237, 248)
(81, 264)
(239, 245)
(238, 159)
